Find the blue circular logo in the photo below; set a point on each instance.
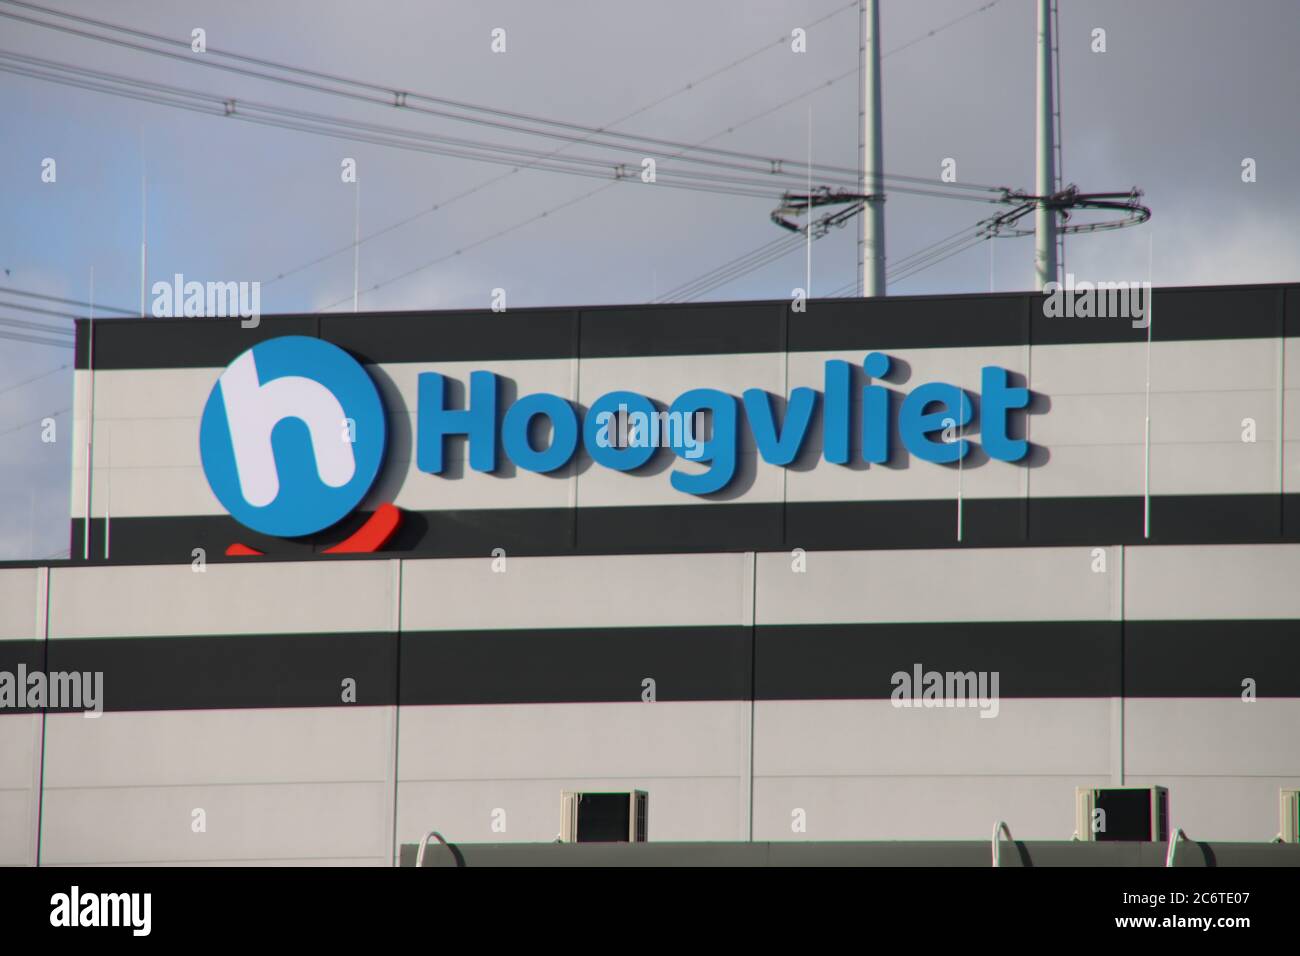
(292, 436)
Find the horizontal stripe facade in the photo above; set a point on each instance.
(481, 693)
(1044, 659)
(1142, 622)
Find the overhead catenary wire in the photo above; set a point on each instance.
(33, 379)
(230, 106)
(35, 340)
(734, 268)
(33, 326)
(325, 125)
(35, 421)
(9, 290)
(33, 310)
(756, 183)
(715, 278)
(441, 204)
(472, 245)
(676, 293)
(391, 96)
(606, 168)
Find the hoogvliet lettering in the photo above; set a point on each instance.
(923, 416)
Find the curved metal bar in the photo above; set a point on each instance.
(997, 843)
(424, 843)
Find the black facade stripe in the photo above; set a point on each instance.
(1179, 315)
(717, 527)
(180, 343)
(975, 320)
(234, 671)
(715, 329)
(660, 528)
(1033, 660)
(857, 661)
(1212, 658)
(26, 654)
(911, 323)
(599, 665)
(485, 336)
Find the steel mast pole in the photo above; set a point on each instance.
(1045, 225)
(873, 153)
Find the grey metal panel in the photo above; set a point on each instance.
(931, 806)
(848, 738)
(1109, 368)
(957, 585)
(22, 618)
(17, 835)
(1214, 365)
(1224, 736)
(1088, 470)
(245, 822)
(303, 597)
(1212, 582)
(194, 748)
(685, 739)
(645, 590)
(19, 618)
(293, 784)
(20, 742)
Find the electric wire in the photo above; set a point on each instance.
(34, 378)
(390, 96)
(391, 136)
(320, 124)
(9, 290)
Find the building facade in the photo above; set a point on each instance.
(845, 639)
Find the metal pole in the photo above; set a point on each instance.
(144, 236)
(356, 244)
(873, 154)
(90, 417)
(1045, 269)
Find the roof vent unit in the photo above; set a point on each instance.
(1122, 813)
(604, 817)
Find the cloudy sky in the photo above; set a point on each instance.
(1185, 90)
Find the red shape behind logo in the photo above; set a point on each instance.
(370, 537)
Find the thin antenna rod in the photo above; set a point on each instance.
(144, 232)
(356, 244)
(1045, 270)
(873, 153)
(90, 419)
